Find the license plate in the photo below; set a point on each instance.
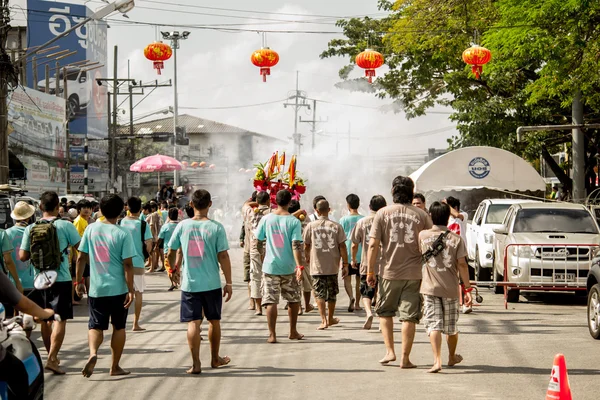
(564, 277)
(555, 254)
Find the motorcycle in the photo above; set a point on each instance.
(21, 368)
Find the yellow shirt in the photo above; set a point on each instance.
(80, 225)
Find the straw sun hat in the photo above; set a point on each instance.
(22, 211)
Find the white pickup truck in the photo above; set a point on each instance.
(480, 234)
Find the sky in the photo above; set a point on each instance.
(215, 71)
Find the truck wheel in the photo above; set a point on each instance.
(593, 311)
(513, 296)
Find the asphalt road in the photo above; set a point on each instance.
(508, 355)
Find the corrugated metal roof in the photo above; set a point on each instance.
(193, 125)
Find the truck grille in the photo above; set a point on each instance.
(574, 253)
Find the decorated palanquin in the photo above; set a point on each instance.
(272, 177)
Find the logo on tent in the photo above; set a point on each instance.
(479, 168)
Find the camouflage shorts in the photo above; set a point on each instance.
(326, 287)
(274, 286)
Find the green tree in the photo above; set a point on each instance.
(542, 52)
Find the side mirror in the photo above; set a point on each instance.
(501, 231)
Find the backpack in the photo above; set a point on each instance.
(144, 251)
(44, 246)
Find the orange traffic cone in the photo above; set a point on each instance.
(559, 388)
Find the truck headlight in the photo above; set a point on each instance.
(523, 251)
(488, 238)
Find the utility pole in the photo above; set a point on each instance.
(314, 122)
(297, 95)
(579, 193)
(4, 80)
(175, 37)
(113, 143)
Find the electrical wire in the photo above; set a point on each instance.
(232, 107)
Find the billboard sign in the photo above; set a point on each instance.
(97, 178)
(38, 123)
(86, 105)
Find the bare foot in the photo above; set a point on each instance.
(435, 369)
(301, 311)
(220, 362)
(322, 326)
(258, 313)
(357, 307)
(251, 307)
(457, 359)
(309, 308)
(334, 321)
(296, 336)
(407, 365)
(138, 329)
(53, 366)
(368, 322)
(194, 371)
(118, 371)
(88, 370)
(351, 306)
(388, 359)
(272, 339)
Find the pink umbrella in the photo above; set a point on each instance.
(156, 163)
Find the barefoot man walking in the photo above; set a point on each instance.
(360, 236)
(204, 245)
(108, 249)
(282, 267)
(324, 246)
(396, 228)
(444, 258)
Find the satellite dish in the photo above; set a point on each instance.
(45, 279)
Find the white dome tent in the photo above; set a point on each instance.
(478, 167)
(473, 174)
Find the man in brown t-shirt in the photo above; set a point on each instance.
(257, 249)
(247, 211)
(360, 236)
(396, 229)
(444, 259)
(324, 246)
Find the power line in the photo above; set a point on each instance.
(231, 107)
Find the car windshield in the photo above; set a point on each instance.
(554, 220)
(496, 213)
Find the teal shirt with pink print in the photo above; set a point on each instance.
(280, 231)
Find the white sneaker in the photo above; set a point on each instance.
(467, 310)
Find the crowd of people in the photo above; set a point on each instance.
(404, 259)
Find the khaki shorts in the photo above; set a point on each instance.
(246, 267)
(326, 287)
(440, 314)
(403, 294)
(307, 282)
(274, 286)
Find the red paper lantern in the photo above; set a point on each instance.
(477, 57)
(158, 52)
(369, 60)
(265, 58)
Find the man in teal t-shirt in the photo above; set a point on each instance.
(134, 226)
(59, 296)
(8, 264)
(23, 215)
(108, 249)
(348, 222)
(164, 236)
(204, 246)
(282, 266)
